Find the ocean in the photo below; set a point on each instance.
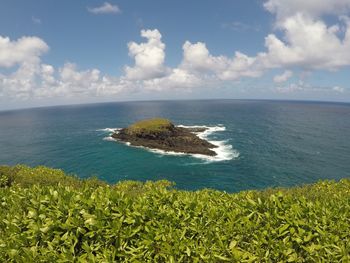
(261, 143)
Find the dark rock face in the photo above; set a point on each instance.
(170, 138)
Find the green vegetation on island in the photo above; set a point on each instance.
(149, 125)
(48, 216)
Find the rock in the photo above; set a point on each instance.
(162, 134)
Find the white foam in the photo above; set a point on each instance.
(109, 138)
(162, 152)
(112, 130)
(224, 151)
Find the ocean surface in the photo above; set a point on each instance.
(261, 143)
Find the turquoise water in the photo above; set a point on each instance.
(263, 143)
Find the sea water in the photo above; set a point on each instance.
(260, 143)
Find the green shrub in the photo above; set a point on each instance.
(7, 175)
(152, 222)
(25, 176)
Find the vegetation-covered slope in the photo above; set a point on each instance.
(47, 216)
(149, 125)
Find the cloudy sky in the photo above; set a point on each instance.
(63, 52)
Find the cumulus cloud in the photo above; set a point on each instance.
(197, 58)
(149, 57)
(198, 67)
(25, 49)
(34, 79)
(309, 43)
(21, 83)
(71, 82)
(79, 82)
(283, 77)
(314, 8)
(105, 8)
(240, 66)
(177, 79)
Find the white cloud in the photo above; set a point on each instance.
(149, 71)
(149, 57)
(71, 82)
(315, 8)
(105, 8)
(198, 67)
(338, 89)
(283, 77)
(293, 87)
(47, 74)
(177, 79)
(34, 79)
(25, 53)
(78, 82)
(240, 66)
(25, 49)
(198, 59)
(20, 84)
(309, 43)
(304, 87)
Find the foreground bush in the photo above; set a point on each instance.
(43, 220)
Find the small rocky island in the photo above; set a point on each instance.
(162, 134)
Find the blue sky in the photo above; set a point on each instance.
(62, 52)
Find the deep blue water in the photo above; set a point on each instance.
(279, 143)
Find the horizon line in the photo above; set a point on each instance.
(165, 100)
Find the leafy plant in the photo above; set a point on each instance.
(73, 220)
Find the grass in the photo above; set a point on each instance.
(48, 216)
(149, 125)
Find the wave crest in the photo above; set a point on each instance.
(224, 150)
(112, 130)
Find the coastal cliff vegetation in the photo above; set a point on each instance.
(49, 216)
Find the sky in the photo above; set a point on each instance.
(67, 52)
